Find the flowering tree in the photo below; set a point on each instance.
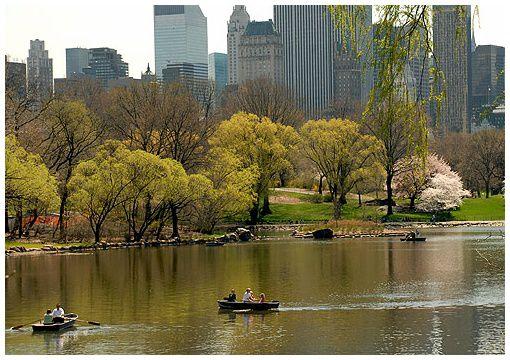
(417, 175)
(445, 192)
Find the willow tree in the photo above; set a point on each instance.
(28, 184)
(341, 152)
(392, 113)
(261, 145)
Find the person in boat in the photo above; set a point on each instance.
(262, 298)
(248, 296)
(410, 235)
(48, 318)
(58, 314)
(231, 297)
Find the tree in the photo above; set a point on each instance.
(371, 180)
(28, 183)
(486, 156)
(417, 175)
(264, 98)
(259, 144)
(163, 120)
(229, 192)
(98, 186)
(444, 193)
(70, 133)
(154, 184)
(339, 151)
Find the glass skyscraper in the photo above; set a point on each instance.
(180, 36)
(218, 70)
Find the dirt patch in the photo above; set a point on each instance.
(282, 199)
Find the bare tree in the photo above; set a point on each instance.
(264, 98)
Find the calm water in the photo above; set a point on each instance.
(377, 296)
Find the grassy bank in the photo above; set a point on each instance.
(306, 210)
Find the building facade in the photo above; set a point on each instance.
(310, 43)
(239, 19)
(488, 79)
(260, 53)
(77, 59)
(16, 78)
(180, 36)
(218, 70)
(452, 49)
(106, 64)
(39, 69)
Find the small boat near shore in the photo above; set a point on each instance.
(214, 243)
(69, 321)
(237, 305)
(413, 239)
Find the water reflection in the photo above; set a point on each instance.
(337, 297)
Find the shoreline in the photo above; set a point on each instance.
(389, 230)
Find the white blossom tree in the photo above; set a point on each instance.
(444, 193)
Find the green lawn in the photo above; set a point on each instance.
(475, 209)
(472, 210)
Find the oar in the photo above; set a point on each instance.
(90, 322)
(20, 326)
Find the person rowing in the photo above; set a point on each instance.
(58, 314)
(248, 296)
(232, 296)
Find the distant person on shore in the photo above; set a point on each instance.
(262, 298)
(58, 314)
(232, 296)
(248, 296)
(48, 318)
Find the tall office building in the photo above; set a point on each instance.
(353, 74)
(180, 37)
(77, 59)
(310, 41)
(239, 19)
(452, 48)
(15, 78)
(39, 69)
(260, 53)
(106, 64)
(488, 78)
(218, 70)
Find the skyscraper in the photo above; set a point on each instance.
(452, 48)
(180, 37)
(15, 78)
(310, 41)
(218, 70)
(236, 27)
(488, 78)
(76, 60)
(260, 53)
(106, 64)
(39, 69)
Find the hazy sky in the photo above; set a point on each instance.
(128, 26)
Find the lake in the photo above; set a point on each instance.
(342, 296)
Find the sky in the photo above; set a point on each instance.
(128, 26)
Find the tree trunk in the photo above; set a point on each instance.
(342, 199)
(61, 225)
(6, 220)
(478, 192)
(265, 206)
(254, 213)
(411, 203)
(359, 198)
(337, 209)
(175, 223)
(487, 189)
(389, 193)
(320, 184)
(19, 215)
(97, 235)
(31, 223)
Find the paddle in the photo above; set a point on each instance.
(20, 326)
(72, 316)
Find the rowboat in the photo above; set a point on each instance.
(214, 243)
(237, 305)
(69, 320)
(413, 239)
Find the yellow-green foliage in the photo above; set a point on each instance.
(229, 191)
(340, 152)
(28, 182)
(259, 144)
